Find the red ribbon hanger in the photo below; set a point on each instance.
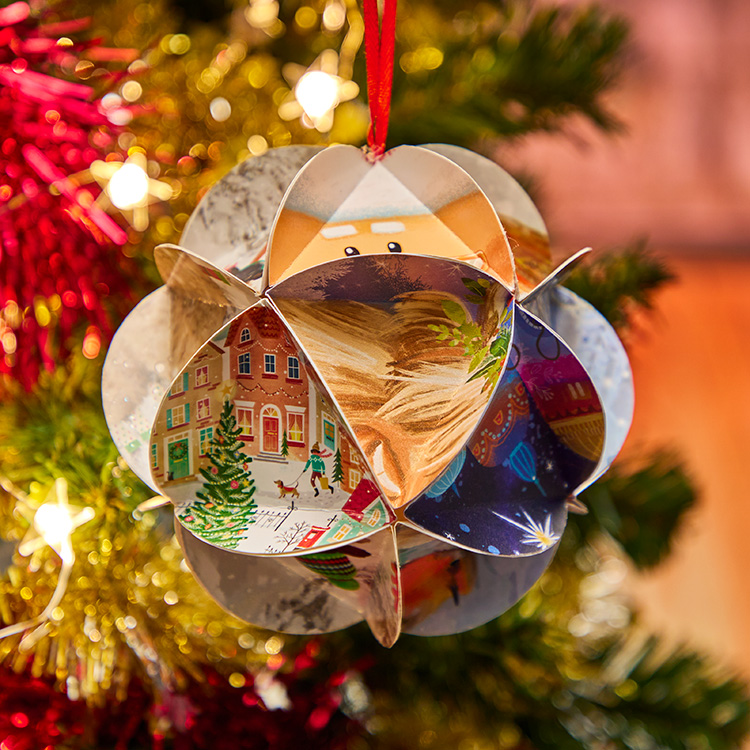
(379, 49)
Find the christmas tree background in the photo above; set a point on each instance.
(136, 654)
(225, 505)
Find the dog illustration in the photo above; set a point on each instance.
(284, 490)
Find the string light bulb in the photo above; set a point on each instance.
(316, 91)
(52, 524)
(128, 186)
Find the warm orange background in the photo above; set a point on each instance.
(680, 177)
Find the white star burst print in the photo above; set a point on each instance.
(537, 534)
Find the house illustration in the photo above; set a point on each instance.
(185, 427)
(279, 412)
(362, 512)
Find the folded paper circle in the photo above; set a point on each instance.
(377, 427)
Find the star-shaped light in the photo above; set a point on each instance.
(316, 91)
(52, 522)
(127, 186)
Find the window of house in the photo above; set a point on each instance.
(204, 408)
(205, 436)
(178, 415)
(154, 456)
(295, 430)
(243, 363)
(269, 364)
(374, 518)
(342, 532)
(354, 477)
(329, 434)
(245, 422)
(201, 376)
(180, 385)
(292, 364)
(245, 336)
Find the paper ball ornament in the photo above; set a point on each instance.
(364, 392)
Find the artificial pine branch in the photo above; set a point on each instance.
(621, 282)
(507, 70)
(642, 510)
(677, 700)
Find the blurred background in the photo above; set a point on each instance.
(678, 176)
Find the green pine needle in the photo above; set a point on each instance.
(642, 510)
(621, 282)
(507, 70)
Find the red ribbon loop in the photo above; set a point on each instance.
(379, 48)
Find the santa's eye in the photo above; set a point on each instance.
(351, 251)
(394, 247)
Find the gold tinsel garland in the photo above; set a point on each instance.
(202, 103)
(130, 605)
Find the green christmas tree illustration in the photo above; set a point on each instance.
(338, 472)
(225, 505)
(284, 445)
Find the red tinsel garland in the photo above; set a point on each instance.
(60, 264)
(208, 715)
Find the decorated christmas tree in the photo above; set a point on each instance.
(114, 643)
(225, 505)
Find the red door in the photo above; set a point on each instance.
(270, 434)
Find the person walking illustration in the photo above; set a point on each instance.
(318, 470)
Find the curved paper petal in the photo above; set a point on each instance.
(156, 341)
(204, 299)
(410, 347)
(275, 593)
(448, 590)
(539, 439)
(137, 373)
(231, 224)
(555, 277)
(596, 344)
(520, 218)
(411, 201)
(286, 476)
(315, 593)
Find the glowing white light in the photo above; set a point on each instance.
(220, 109)
(317, 93)
(54, 524)
(334, 16)
(128, 186)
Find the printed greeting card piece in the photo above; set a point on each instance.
(204, 299)
(446, 589)
(523, 224)
(313, 593)
(413, 201)
(541, 437)
(378, 576)
(557, 276)
(275, 593)
(255, 455)
(232, 223)
(410, 347)
(137, 372)
(601, 352)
